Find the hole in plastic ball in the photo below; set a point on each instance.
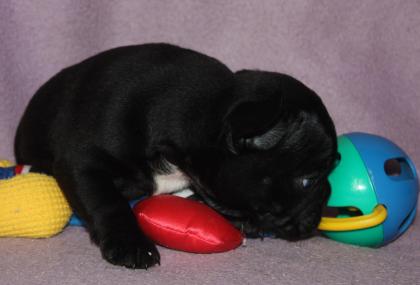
(393, 167)
(341, 212)
(399, 169)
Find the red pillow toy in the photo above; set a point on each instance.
(186, 225)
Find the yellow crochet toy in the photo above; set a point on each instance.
(31, 205)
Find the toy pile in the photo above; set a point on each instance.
(373, 201)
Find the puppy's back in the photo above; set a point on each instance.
(153, 86)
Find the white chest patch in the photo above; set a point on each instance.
(171, 182)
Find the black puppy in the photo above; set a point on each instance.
(149, 119)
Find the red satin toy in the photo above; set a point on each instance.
(186, 225)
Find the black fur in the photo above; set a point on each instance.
(257, 146)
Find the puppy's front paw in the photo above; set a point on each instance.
(130, 252)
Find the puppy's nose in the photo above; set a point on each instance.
(308, 227)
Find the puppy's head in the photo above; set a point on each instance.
(282, 145)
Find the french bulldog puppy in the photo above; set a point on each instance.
(150, 119)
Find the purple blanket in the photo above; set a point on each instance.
(362, 57)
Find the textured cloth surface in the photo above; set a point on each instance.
(362, 57)
(69, 258)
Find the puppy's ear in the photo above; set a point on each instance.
(254, 125)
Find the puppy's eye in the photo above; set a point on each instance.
(306, 182)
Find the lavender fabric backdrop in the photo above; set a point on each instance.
(362, 57)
